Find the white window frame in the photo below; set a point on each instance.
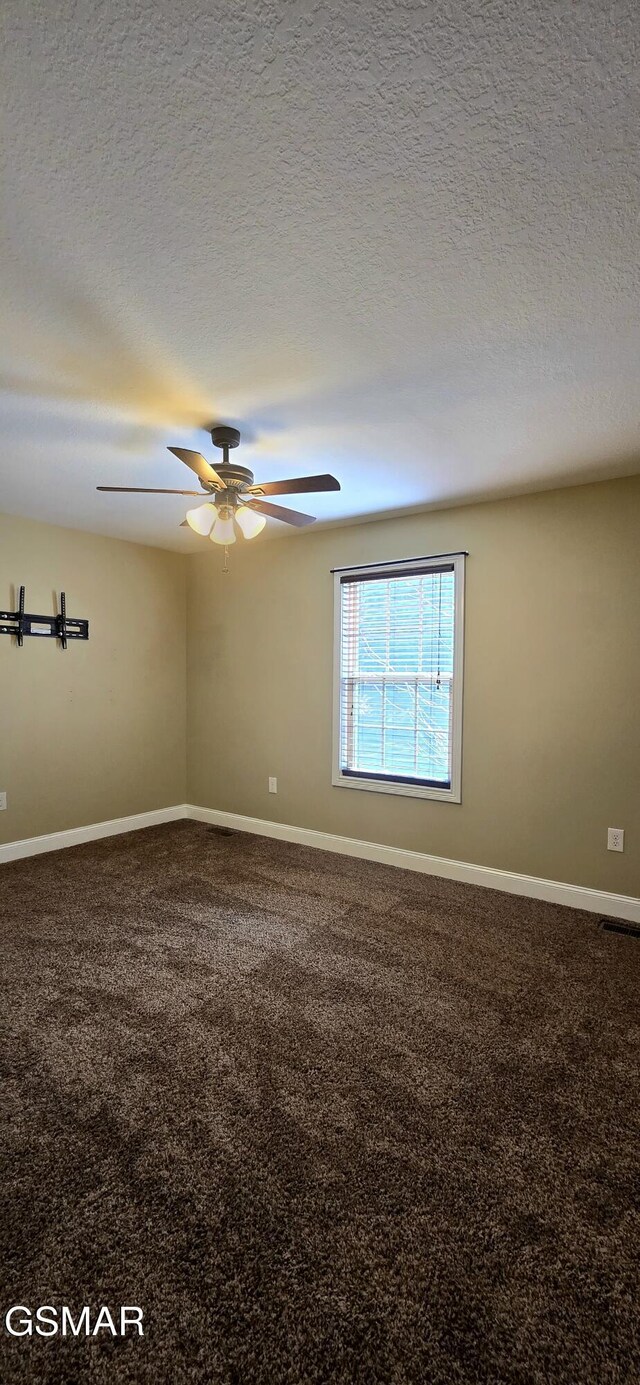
(454, 793)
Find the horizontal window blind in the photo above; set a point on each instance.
(397, 641)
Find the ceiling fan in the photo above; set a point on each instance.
(234, 494)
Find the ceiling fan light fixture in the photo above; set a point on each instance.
(223, 531)
(202, 519)
(250, 523)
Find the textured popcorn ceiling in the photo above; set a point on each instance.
(396, 241)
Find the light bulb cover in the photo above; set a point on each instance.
(223, 531)
(202, 519)
(250, 522)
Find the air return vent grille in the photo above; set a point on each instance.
(616, 926)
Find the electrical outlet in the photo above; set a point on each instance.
(273, 785)
(3, 801)
(615, 839)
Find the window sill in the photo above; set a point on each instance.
(451, 795)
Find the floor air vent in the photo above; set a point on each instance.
(612, 926)
(222, 831)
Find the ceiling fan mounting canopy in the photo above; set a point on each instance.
(223, 436)
(232, 494)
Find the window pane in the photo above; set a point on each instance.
(366, 752)
(433, 731)
(399, 751)
(400, 703)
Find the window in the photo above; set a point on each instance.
(398, 677)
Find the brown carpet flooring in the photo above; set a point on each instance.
(323, 1120)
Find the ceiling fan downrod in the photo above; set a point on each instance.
(226, 438)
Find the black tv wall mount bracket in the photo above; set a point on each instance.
(61, 627)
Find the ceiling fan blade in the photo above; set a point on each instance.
(279, 512)
(196, 461)
(298, 486)
(147, 490)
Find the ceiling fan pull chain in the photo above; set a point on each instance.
(226, 559)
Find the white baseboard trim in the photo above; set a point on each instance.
(75, 836)
(619, 906)
(554, 891)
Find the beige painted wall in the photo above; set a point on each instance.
(98, 731)
(551, 753)
(552, 683)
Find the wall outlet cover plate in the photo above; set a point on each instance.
(615, 839)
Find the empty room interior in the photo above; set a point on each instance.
(320, 692)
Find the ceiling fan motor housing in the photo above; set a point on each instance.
(236, 477)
